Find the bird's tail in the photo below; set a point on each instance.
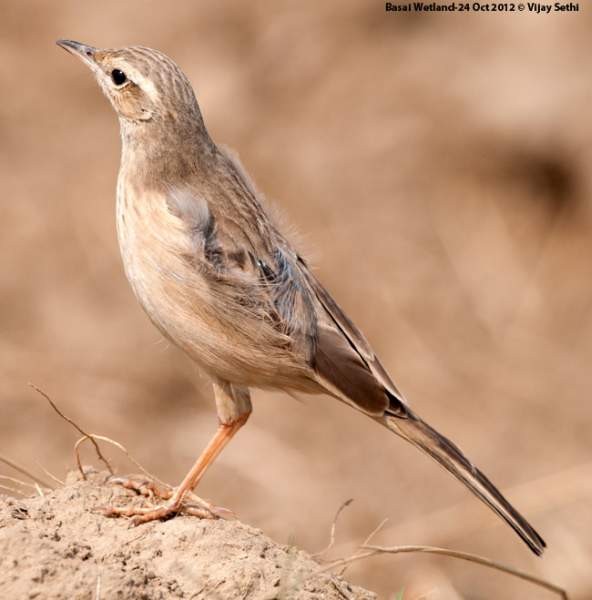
(449, 456)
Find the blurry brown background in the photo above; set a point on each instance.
(437, 167)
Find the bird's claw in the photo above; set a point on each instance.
(143, 487)
(176, 503)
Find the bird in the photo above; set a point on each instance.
(217, 276)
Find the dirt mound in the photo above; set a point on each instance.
(57, 546)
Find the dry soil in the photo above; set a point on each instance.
(59, 547)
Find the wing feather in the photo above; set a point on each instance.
(358, 349)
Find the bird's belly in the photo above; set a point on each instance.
(159, 259)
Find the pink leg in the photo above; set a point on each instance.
(234, 407)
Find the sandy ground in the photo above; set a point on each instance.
(58, 547)
(438, 169)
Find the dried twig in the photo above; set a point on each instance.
(79, 429)
(92, 437)
(373, 533)
(331, 543)
(24, 471)
(35, 485)
(19, 481)
(369, 551)
(12, 490)
(366, 541)
(50, 474)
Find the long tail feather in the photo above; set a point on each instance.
(449, 456)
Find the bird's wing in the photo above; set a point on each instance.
(345, 361)
(250, 270)
(260, 279)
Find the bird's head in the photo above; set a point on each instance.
(142, 84)
(162, 130)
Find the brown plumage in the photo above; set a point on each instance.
(217, 277)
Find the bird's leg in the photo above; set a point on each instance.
(234, 407)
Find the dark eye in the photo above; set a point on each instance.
(118, 77)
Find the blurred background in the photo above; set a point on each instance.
(437, 169)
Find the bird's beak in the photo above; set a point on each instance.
(85, 53)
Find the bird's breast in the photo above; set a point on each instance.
(157, 255)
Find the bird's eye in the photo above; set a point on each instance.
(118, 77)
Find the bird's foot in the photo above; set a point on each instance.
(144, 487)
(176, 502)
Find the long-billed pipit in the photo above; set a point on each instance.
(217, 277)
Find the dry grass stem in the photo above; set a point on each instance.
(98, 588)
(321, 553)
(18, 481)
(93, 437)
(13, 490)
(366, 541)
(50, 474)
(374, 532)
(25, 472)
(35, 485)
(78, 428)
(369, 551)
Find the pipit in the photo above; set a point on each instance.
(218, 278)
